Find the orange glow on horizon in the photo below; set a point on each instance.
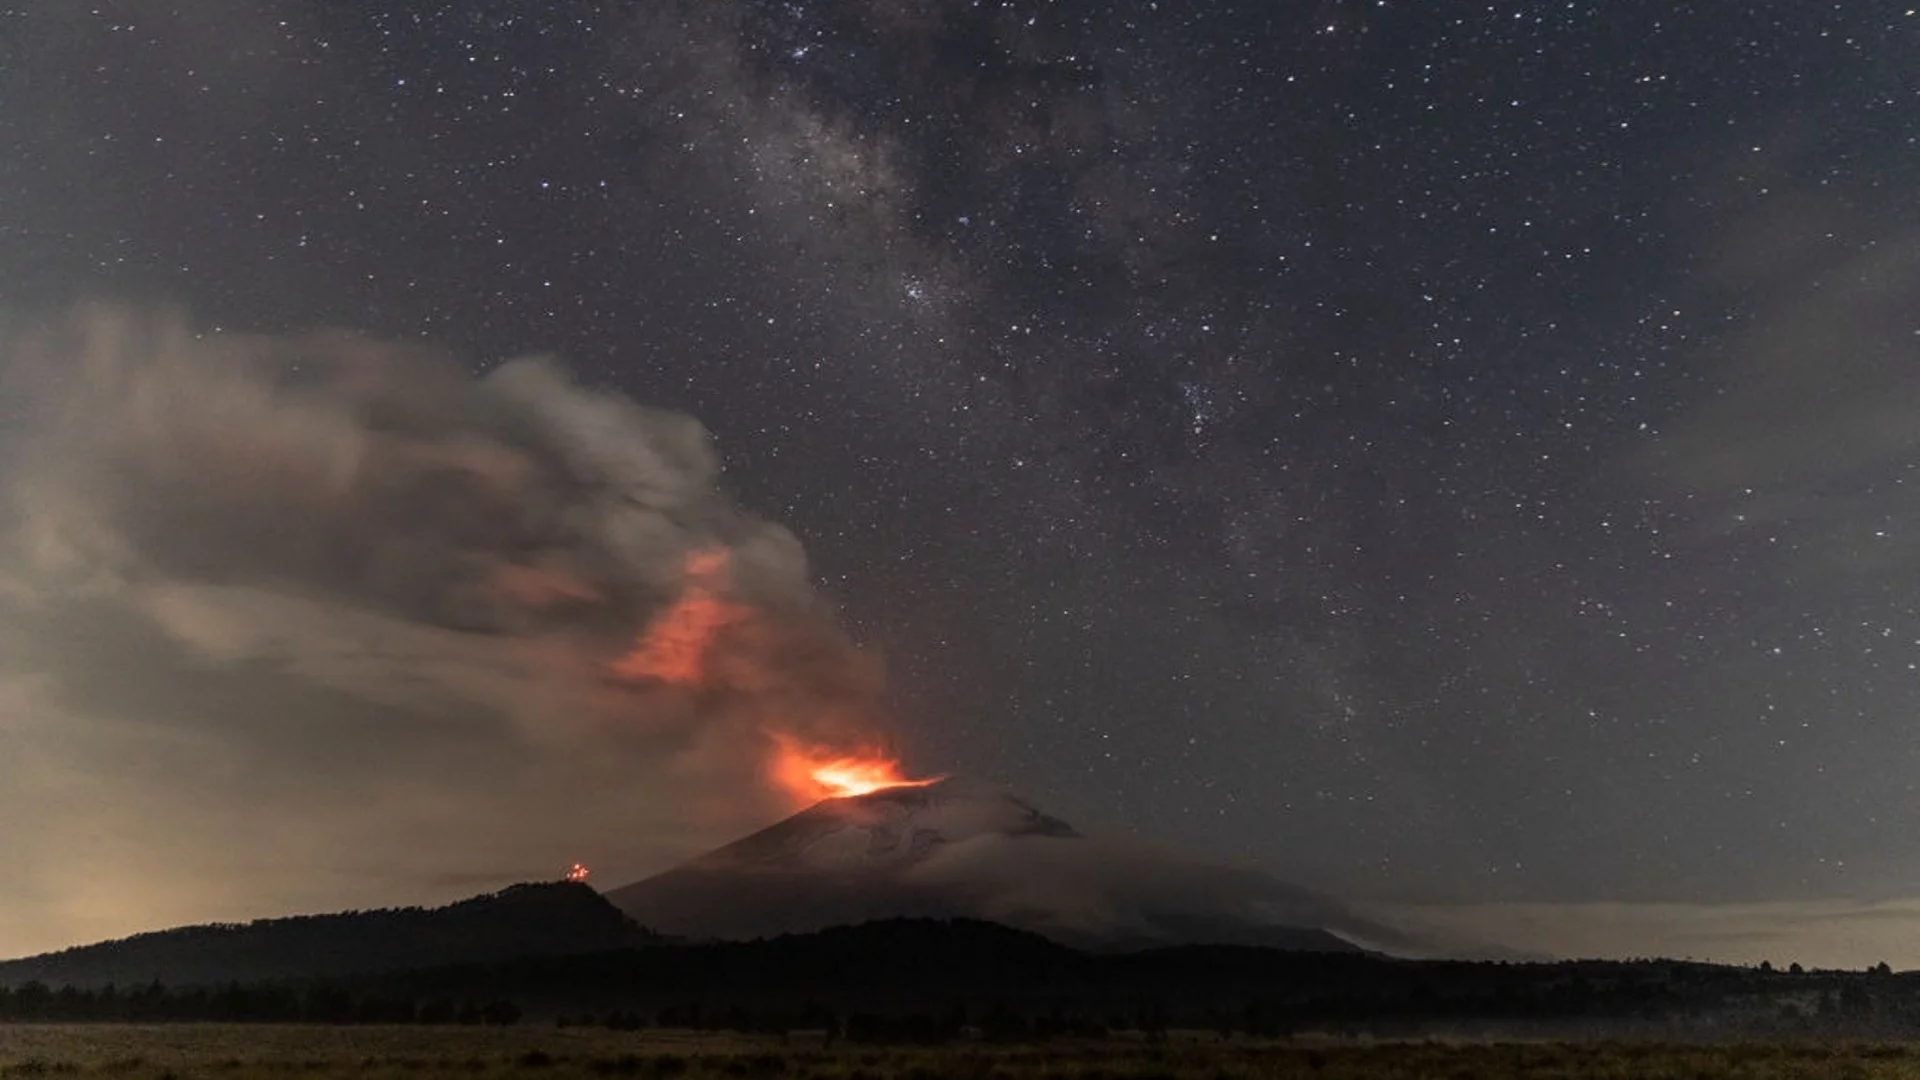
(813, 773)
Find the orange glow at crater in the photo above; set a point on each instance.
(813, 773)
(706, 641)
(578, 872)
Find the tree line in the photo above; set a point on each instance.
(243, 1003)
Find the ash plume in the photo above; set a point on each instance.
(255, 543)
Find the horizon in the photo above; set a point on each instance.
(1615, 932)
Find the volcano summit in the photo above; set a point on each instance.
(960, 848)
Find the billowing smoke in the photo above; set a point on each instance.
(250, 542)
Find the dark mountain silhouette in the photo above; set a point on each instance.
(525, 920)
(961, 849)
(883, 964)
(922, 980)
(926, 980)
(1009, 882)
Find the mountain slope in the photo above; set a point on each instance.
(959, 849)
(892, 827)
(525, 920)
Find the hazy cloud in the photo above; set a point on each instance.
(1087, 885)
(1838, 933)
(271, 599)
(1808, 430)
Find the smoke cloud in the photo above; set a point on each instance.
(275, 597)
(1086, 887)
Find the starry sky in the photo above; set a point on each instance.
(1460, 457)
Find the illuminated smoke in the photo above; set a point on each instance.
(677, 646)
(519, 542)
(686, 647)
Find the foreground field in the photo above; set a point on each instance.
(236, 1052)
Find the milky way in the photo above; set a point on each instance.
(1441, 454)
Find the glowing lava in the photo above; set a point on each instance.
(817, 772)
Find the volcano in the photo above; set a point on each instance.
(963, 849)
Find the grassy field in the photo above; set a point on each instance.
(232, 1052)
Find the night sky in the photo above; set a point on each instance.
(1460, 457)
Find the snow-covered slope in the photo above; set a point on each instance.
(963, 848)
(895, 827)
